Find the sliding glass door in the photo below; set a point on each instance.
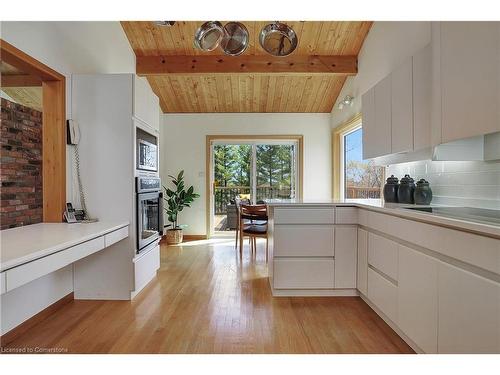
(255, 170)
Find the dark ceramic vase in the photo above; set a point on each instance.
(423, 192)
(391, 189)
(406, 189)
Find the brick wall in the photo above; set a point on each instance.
(20, 165)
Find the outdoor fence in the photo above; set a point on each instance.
(224, 195)
(356, 192)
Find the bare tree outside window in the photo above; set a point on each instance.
(362, 178)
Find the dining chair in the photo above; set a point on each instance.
(238, 202)
(253, 224)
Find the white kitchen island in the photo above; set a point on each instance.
(422, 273)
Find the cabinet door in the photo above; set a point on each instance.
(304, 240)
(345, 257)
(362, 273)
(469, 312)
(369, 130)
(146, 103)
(418, 298)
(422, 99)
(402, 108)
(383, 294)
(383, 127)
(303, 273)
(469, 79)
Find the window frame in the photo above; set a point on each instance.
(343, 135)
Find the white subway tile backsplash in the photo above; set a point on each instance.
(457, 183)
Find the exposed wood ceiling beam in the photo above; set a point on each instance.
(210, 64)
(20, 80)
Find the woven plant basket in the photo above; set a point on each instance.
(174, 236)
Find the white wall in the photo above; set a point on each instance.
(386, 46)
(69, 48)
(183, 140)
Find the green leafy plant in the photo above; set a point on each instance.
(178, 198)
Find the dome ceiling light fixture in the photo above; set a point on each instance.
(164, 23)
(278, 39)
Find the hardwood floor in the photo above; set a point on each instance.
(204, 300)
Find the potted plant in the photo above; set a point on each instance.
(177, 199)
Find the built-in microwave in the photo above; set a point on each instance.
(147, 151)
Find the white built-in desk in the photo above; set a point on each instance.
(33, 251)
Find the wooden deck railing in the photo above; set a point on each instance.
(225, 194)
(356, 192)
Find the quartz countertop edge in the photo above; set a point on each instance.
(28, 243)
(396, 209)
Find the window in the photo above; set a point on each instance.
(360, 179)
(353, 177)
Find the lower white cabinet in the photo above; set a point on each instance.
(3, 286)
(469, 312)
(383, 255)
(362, 269)
(418, 298)
(306, 273)
(145, 267)
(383, 293)
(345, 256)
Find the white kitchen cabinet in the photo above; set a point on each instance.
(369, 125)
(146, 266)
(304, 215)
(303, 273)
(346, 215)
(422, 76)
(303, 240)
(3, 283)
(383, 293)
(146, 103)
(362, 266)
(418, 298)
(402, 108)
(466, 93)
(383, 255)
(469, 312)
(345, 256)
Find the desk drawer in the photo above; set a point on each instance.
(115, 236)
(304, 215)
(296, 273)
(25, 273)
(304, 240)
(383, 255)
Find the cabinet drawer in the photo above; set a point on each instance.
(304, 240)
(383, 255)
(33, 270)
(346, 215)
(3, 287)
(383, 294)
(115, 236)
(304, 216)
(295, 273)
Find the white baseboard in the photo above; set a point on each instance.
(315, 293)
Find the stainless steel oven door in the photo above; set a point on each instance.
(149, 218)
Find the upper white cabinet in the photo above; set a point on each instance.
(146, 103)
(376, 104)
(418, 298)
(469, 312)
(402, 108)
(422, 73)
(466, 79)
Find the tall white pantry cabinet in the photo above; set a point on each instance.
(108, 108)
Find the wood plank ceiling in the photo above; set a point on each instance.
(247, 91)
(20, 89)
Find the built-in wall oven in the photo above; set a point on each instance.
(149, 211)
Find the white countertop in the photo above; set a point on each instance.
(24, 244)
(396, 209)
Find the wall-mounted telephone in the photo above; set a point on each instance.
(72, 132)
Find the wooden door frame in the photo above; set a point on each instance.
(271, 137)
(53, 128)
